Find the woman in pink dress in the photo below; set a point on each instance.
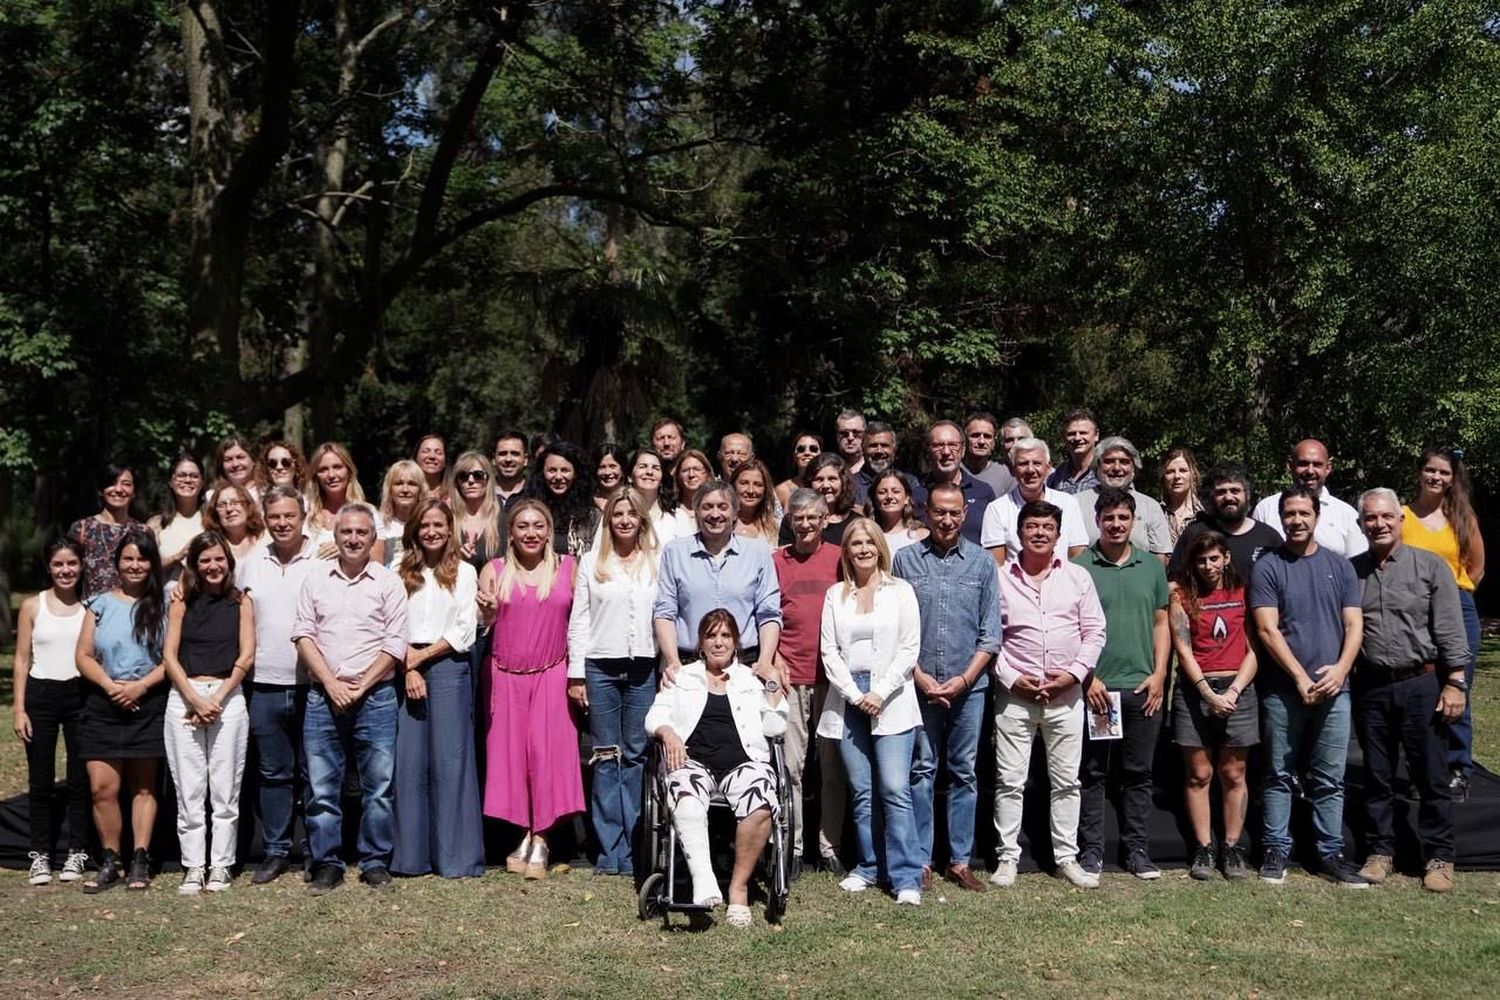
(532, 778)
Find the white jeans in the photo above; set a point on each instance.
(1061, 724)
(207, 763)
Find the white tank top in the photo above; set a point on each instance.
(54, 640)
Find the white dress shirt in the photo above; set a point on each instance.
(1338, 523)
(1001, 528)
(612, 619)
(434, 612)
(896, 642)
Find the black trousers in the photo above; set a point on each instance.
(1132, 753)
(1395, 716)
(53, 707)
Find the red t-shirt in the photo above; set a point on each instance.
(1219, 641)
(804, 581)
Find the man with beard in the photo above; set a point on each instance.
(510, 467)
(1228, 487)
(1338, 523)
(945, 453)
(1031, 459)
(1116, 466)
(880, 456)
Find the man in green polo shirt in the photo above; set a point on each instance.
(1133, 590)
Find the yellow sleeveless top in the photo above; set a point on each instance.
(1441, 543)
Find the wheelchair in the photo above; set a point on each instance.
(667, 887)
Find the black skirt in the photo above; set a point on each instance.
(108, 732)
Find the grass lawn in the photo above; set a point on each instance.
(577, 935)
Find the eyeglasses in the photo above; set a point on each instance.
(230, 505)
(805, 449)
(471, 476)
(186, 477)
(278, 463)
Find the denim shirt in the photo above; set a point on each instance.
(959, 598)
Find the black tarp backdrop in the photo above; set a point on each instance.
(1477, 821)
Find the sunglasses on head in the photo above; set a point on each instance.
(471, 476)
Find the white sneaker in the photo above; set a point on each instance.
(218, 879)
(1073, 872)
(909, 897)
(853, 883)
(74, 867)
(192, 881)
(41, 869)
(1004, 875)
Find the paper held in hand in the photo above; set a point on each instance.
(1107, 726)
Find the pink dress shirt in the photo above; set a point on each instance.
(352, 620)
(1059, 626)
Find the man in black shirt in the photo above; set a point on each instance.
(1227, 511)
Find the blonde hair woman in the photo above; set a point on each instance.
(871, 635)
(612, 666)
(531, 745)
(404, 488)
(334, 481)
(476, 509)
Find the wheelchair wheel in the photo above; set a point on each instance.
(651, 902)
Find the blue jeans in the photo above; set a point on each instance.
(1288, 726)
(896, 855)
(620, 691)
(368, 730)
(276, 712)
(1459, 738)
(952, 736)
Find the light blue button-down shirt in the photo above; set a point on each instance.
(959, 597)
(741, 580)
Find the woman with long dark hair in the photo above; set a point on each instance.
(649, 477)
(182, 518)
(210, 647)
(564, 481)
(828, 476)
(100, 534)
(806, 446)
(48, 698)
(891, 508)
(609, 471)
(751, 482)
(121, 731)
(1441, 519)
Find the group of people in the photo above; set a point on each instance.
(453, 638)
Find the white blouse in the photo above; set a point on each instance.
(434, 612)
(894, 646)
(611, 620)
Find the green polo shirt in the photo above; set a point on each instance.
(1131, 594)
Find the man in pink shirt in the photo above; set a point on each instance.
(350, 631)
(1052, 634)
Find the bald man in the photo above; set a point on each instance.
(1338, 523)
(734, 450)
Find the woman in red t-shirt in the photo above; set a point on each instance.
(1214, 706)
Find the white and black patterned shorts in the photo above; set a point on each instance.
(748, 787)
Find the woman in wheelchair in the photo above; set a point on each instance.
(713, 723)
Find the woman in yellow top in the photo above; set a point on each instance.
(1441, 519)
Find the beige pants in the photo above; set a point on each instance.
(805, 703)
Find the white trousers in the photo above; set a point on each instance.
(1016, 724)
(207, 764)
(806, 704)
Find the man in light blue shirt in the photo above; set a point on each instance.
(959, 598)
(714, 568)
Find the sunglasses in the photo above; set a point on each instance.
(278, 463)
(471, 476)
(803, 449)
(851, 434)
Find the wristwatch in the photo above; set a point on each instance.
(1456, 681)
(772, 686)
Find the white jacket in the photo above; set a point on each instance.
(898, 641)
(681, 706)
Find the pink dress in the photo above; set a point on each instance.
(532, 775)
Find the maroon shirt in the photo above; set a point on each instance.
(804, 582)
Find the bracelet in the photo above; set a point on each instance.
(1237, 691)
(1202, 680)
(965, 679)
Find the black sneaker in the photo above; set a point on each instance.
(831, 863)
(1337, 870)
(1202, 867)
(1235, 865)
(325, 879)
(1091, 863)
(377, 878)
(1458, 786)
(270, 869)
(1140, 865)
(1273, 866)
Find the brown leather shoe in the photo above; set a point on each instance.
(1438, 877)
(964, 878)
(926, 877)
(1377, 869)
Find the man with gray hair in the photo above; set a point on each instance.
(271, 576)
(1408, 682)
(805, 570)
(1031, 460)
(945, 454)
(734, 450)
(1116, 461)
(351, 633)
